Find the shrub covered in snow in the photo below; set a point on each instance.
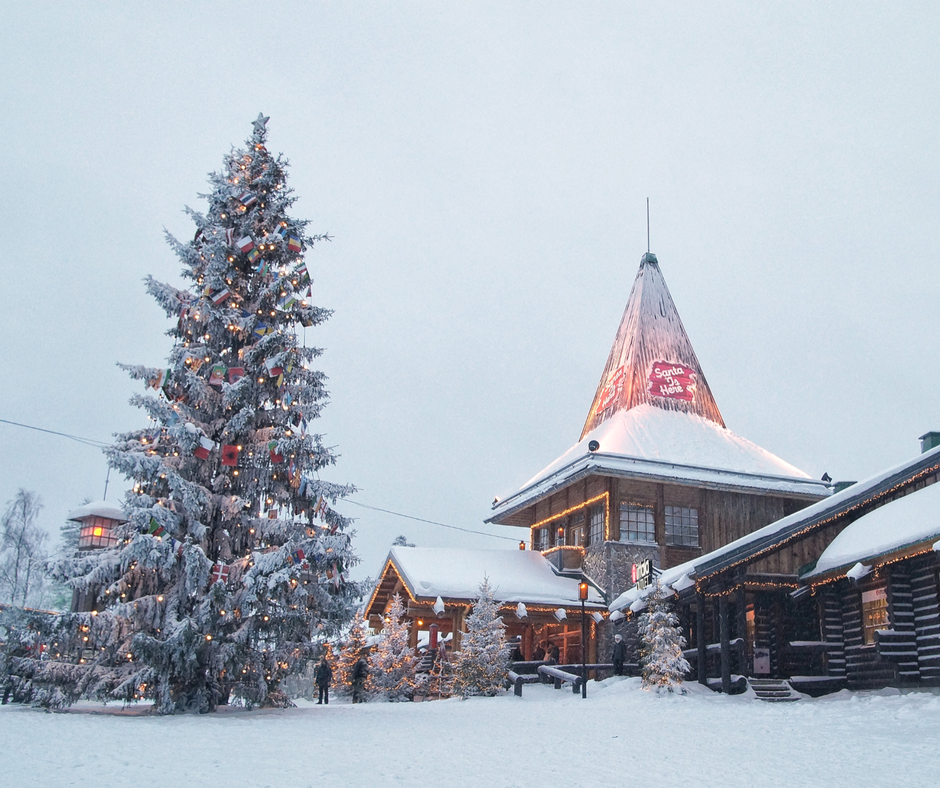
(392, 662)
(480, 665)
(661, 644)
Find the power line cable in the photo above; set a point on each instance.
(430, 522)
(86, 441)
(99, 444)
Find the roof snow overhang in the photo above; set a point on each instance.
(98, 509)
(852, 502)
(426, 573)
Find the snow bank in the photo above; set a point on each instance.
(547, 737)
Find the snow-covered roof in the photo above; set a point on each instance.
(514, 576)
(98, 509)
(910, 520)
(770, 535)
(663, 445)
(654, 416)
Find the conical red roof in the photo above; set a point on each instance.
(652, 361)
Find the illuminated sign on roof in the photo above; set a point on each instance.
(672, 381)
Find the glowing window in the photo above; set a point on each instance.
(96, 532)
(874, 612)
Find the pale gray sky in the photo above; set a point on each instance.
(483, 169)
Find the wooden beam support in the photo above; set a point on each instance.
(700, 639)
(725, 627)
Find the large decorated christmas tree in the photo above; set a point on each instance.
(233, 563)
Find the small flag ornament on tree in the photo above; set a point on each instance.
(217, 375)
(219, 573)
(230, 455)
(154, 528)
(160, 380)
(205, 446)
(245, 244)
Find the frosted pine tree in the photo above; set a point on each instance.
(233, 560)
(480, 665)
(349, 652)
(661, 644)
(392, 662)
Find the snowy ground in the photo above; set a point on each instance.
(619, 736)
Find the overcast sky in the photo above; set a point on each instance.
(483, 170)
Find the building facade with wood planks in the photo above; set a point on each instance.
(843, 594)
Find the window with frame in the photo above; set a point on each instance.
(541, 538)
(874, 612)
(576, 531)
(682, 526)
(637, 523)
(596, 525)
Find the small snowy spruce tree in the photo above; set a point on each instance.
(392, 662)
(350, 650)
(233, 562)
(661, 644)
(480, 665)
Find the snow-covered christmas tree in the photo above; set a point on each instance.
(233, 560)
(392, 662)
(661, 644)
(349, 652)
(480, 665)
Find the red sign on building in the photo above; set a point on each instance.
(612, 389)
(672, 381)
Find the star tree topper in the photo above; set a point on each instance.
(261, 122)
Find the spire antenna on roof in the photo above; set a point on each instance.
(647, 225)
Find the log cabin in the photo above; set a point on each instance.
(439, 586)
(843, 594)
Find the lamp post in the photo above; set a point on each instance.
(583, 594)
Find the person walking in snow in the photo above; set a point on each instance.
(358, 680)
(619, 655)
(323, 677)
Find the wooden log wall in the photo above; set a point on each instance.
(900, 646)
(926, 602)
(832, 625)
(863, 667)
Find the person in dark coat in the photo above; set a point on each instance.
(323, 677)
(358, 679)
(619, 655)
(553, 653)
(539, 654)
